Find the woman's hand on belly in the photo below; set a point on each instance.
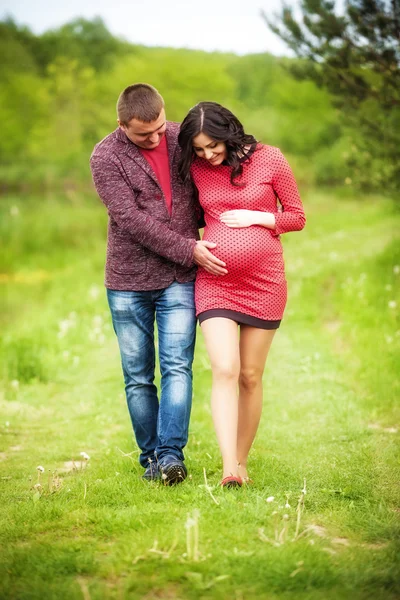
(247, 218)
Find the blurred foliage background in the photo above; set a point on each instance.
(58, 93)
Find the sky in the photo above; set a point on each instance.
(224, 25)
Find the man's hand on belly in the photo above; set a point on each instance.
(204, 258)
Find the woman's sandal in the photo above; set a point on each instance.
(231, 482)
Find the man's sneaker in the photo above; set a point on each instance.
(152, 472)
(172, 470)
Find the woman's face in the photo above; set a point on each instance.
(212, 151)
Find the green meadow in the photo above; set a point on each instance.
(321, 520)
(77, 522)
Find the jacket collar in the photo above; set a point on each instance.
(133, 151)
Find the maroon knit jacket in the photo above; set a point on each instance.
(147, 248)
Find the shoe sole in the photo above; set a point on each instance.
(231, 484)
(173, 474)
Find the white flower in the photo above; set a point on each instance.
(40, 468)
(85, 456)
(94, 292)
(287, 505)
(396, 269)
(270, 499)
(392, 304)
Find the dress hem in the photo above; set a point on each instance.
(238, 317)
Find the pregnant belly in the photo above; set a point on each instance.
(245, 249)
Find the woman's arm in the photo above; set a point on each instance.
(247, 218)
(292, 217)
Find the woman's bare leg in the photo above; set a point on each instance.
(222, 343)
(254, 347)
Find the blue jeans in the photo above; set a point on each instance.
(160, 427)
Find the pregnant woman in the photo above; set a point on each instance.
(240, 183)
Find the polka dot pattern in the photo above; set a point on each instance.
(255, 283)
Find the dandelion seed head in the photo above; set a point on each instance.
(392, 304)
(40, 468)
(84, 455)
(94, 292)
(7, 423)
(287, 505)
(270, 499)
(285, 517)
(37, 486)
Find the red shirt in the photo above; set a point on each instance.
(159, 162)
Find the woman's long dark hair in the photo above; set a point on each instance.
(219, 124)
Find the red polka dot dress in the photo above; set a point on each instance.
(254, 291)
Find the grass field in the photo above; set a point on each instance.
(321, 521)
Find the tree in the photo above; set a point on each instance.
(356, 56)
(88, 42)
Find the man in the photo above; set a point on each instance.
(152, 249)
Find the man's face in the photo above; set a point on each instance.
(146, 135)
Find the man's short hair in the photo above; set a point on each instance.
(140, 101)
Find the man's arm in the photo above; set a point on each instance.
(150, 233)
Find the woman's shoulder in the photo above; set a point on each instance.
(269, 156)
(265, 150)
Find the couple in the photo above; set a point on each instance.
(155, 179)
